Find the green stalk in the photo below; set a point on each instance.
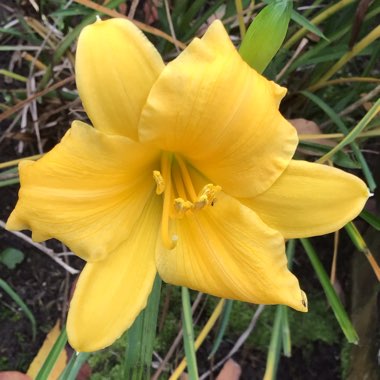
(332, 297)
(225, 318)
(188, 335)
(74, 365)
(48, 365)
(140, 338)
(274, 350)
(280, 333)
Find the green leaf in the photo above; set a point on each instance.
(371, 219)
(10, 257)
(225, 318)
(74, 365)
(304, 22)
(140, 338)
(332, 297)
(274, 350)
(285, 331)
(280, 336)
(350, 135)
(266, 34)
(188, 335)
(48, 365)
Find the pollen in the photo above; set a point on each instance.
(207, 196)
(160, 183)
(182, 207)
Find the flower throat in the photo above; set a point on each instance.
(180, 197)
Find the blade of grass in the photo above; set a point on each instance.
(285, 330)
(22, 305)
(333, 299)
(9, 182)
(361, 45)
(326, 13)
(201, 337)
(226, 313)
(280, 332)
(275, 344)
(8, 164)
(140, 338)
(371, 219)
(13, 75)
(285, 333)
(199, 21)
(74, 365)
(336, 119)
(346, 80)
(322, 46)
(190, 14)
(188, 336)
(361, 245)
(305, 23)
(350, 137)
(339, 136)
(240, 17)
(48, 365)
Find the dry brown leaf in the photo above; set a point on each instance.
(305, 127)
(39, 360)
(13, 375)
(230, 371)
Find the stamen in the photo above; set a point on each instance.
(160, 188)
(187, 179)
(182, 207)
(207, 196)
(165, 169)
(201, 202)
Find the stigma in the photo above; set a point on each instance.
(180, 197)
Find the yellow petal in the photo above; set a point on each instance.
(110, 294)
(116, 67)
(310, 199)
(209, 106)
(227, 251)
(87, 192)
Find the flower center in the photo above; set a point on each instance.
(180, 197)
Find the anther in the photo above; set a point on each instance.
(182, 207)
(207, 196)
(160, 182)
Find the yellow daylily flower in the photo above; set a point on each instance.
(187, 171)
